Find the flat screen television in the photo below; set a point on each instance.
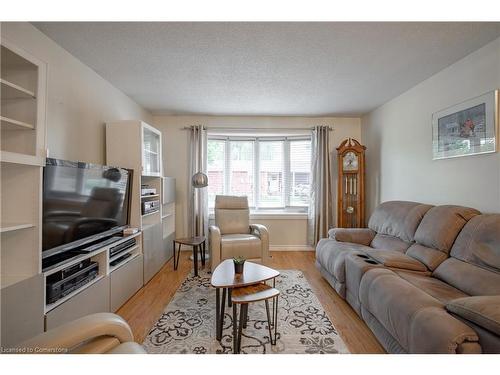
(82, 203)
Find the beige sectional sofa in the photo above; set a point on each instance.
(425, 279)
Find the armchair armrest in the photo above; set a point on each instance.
(214, 238)
(261, 231)
(78, 331)
(481, 310)
(362, 236)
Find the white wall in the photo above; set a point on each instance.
(284, 233)
(79, 101)
(398, 136)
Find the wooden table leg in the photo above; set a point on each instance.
(269, 322)
(274, 286)
(235, 330)
(243, 309)
(222, 312)
(175, 265)
(245, 317)
(202, 255)
(195, 260)
(217, 313)
(276, 320)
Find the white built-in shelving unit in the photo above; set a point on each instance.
(138, 146)
(22, 115)
(22, 156)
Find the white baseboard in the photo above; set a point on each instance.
(291, 248)
(275, 248)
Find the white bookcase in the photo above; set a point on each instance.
(22, 156)
(136, 145)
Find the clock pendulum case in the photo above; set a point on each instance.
(351, 184)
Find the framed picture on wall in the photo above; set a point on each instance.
(468, 128)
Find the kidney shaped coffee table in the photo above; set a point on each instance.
(224, 277)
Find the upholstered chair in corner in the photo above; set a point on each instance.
(233, 235)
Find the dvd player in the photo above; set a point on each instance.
(69, 279)
(121, 247)
(120, 259)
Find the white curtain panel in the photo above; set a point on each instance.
(321, 207)
(198, 202)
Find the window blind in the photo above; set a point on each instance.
(273, 172)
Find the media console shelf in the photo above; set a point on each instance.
(112, 287)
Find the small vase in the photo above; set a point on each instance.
(238, 267)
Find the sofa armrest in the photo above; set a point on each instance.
(214, 239)
(362, 236)
(481, 310)
(261, 231)
(433, 330)
(76, 332)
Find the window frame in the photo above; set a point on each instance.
(286, 169)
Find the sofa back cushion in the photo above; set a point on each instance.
(437, 232)
(474, 263)
(398, 219)
(479, 242)
(232, 214)
(441, 225)
(385, 242)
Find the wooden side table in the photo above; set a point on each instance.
(198, 244)
(244, 296)
(224, 277)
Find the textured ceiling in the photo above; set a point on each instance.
(310, 69)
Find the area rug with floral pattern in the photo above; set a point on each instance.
(188, 323)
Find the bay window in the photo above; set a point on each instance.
(273, 172)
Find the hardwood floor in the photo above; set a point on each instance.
(146, 306)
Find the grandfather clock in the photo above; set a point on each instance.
(351, 184)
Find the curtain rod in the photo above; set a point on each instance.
(256, 129)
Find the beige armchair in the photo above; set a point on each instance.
(233, 235)
(92, 334)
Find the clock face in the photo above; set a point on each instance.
(350, 161)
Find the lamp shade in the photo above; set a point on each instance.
(199, 180)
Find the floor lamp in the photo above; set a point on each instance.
(198, 181)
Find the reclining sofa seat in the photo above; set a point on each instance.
(400, 235)
(392, 228)
(455, 310)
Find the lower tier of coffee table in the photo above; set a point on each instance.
(250, 294)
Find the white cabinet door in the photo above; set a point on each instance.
(151, 151)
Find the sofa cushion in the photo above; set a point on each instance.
(474, 265)
(432, 258)
(432, 286)
(470, 279)
(398, 219)
(479, 242)
(245, 245)
(441, 225)
(385, 242)
(483, 311)
(331, 254)
(414, 318)
(395, 259)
